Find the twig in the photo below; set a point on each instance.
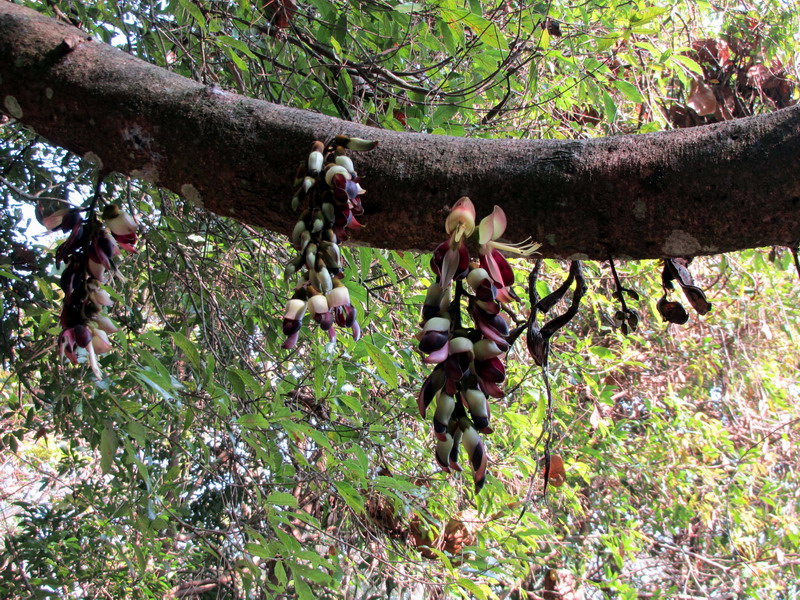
(26, 195)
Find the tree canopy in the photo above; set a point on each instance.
(206, 461)
(577, 197)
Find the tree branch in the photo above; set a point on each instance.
(703, 190)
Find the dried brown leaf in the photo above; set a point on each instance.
(702, 99)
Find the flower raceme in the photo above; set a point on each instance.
(469, 368)
(89, 255)
(330, 187)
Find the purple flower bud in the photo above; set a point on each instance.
(82, 335)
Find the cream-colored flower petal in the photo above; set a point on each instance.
(461, 220)
(492, 226)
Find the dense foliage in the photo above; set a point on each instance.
(209, 462)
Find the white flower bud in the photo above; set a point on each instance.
(347, 163)
(295, 309)
(314, 163)
(485, 349)
(339, 296)
(317, 305)
(460, 344)
(335, 170)
(476, 277)
(437, 324)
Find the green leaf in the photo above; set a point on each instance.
(282, 499)
(315, 575)
(443, 114)
(687, 62)
(410, 7)
(384, 364)
(630, 91)
(478, 591)
(240, 378)
(237, 60)
(602, 352)
(8, 275)
(108, 446)
(609, 107)
(353, 498)
(258, 550)
(541, 408)
(303, 590)
(253, 421)
(163, 386)
(395, 483)
(238, 44)
(188, 347)
(487, 32)
(194, 11)
(406, 260)
(648, 15)
(451, 36)
(604, 43)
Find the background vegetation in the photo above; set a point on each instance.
(210, 463)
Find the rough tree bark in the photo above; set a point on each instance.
(693, 191)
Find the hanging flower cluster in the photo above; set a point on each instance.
(469, 365)
(89, 255)
(330, 188)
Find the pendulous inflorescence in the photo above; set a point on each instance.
(89, 255)
(468, 355)
(328, 187)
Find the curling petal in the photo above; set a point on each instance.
(437, 356)
(430, 387)
(493, 226)
(291, 341)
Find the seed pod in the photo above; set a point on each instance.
(558, 474)
(672, 312)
